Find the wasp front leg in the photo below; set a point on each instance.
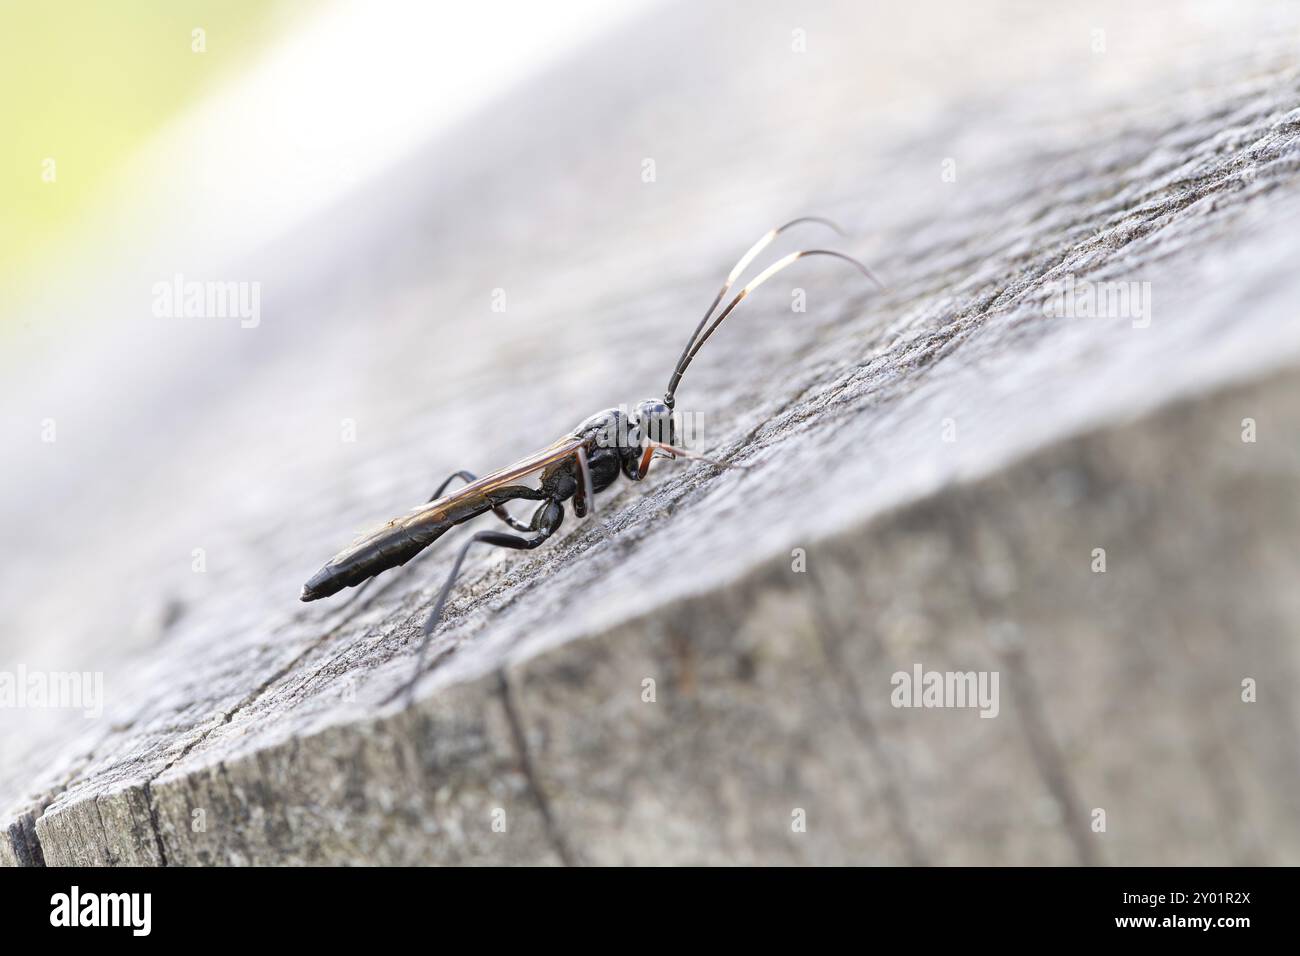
(584, 502)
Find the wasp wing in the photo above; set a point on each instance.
(404, 537)
(475, 494)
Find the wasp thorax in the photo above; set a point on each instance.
(607, 429)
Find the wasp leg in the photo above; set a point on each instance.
(465, 476)
(545, 520)
(499, 510)
(584, 502)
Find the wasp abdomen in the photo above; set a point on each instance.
(385, 549)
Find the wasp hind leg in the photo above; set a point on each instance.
(499, 510)
(545, 521)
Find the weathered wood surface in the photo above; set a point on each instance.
(1171, 158)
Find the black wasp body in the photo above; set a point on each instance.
(576, 468)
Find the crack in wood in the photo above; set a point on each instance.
(840, 675)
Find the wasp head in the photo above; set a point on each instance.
(652, 421)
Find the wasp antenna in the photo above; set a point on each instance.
(698, 340)
(738, 269)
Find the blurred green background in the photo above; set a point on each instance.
(86, 84)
